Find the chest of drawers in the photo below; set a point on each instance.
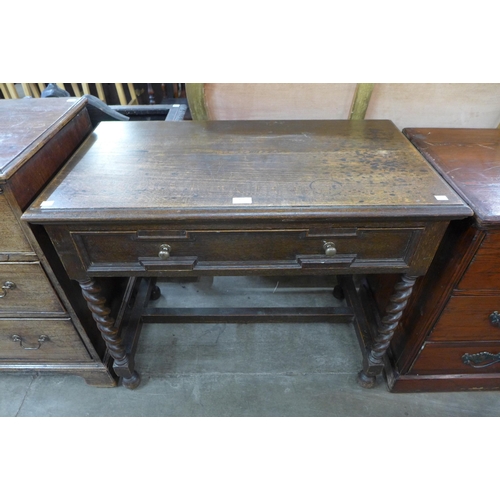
(450, 339)
(43, 326)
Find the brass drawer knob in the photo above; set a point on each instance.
(329, 248)
(41, 340)
(8, 285)
(164, 252)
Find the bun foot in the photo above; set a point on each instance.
(155, 293)
(132, 382)
(366, 381)
(338, 292)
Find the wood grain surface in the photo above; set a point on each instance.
(470, 160)
(159, 168)
(25, 125)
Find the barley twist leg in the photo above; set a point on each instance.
(123, 365)
(374, 363)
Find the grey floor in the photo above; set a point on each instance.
(232, 370)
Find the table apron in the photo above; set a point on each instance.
(177, 251)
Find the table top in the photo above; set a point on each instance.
(157, 170)
(26, 124)
(469, 159)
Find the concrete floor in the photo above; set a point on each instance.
(238, 369)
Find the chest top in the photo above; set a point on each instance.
(157, 170)
(27, 124)
(469, 159)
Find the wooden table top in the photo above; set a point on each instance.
(26, 124)
(152, 170)
(469, 159)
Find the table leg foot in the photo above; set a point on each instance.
(132, 382)
(338, 292)
(155, 293)
(366, 381)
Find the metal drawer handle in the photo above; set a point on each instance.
(495, 319)
(481, 359)
(164, 252)
(329, 248)
(41, 340)
(8, 285)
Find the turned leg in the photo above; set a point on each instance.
(374, 363)
(123, 365)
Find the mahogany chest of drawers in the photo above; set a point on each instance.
(43, 324)
(449, 336)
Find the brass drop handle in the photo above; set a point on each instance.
(480, 359)
(329, 248)
(8, 285)
(495, 319)
(164, 252)
(41, 340)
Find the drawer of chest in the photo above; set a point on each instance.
(457, 358)
(468, 318)
(12, 239)
(226, 250)
(483, 272)
(25, 288)
(40, 340)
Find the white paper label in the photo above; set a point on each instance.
(46, 204)
(242, 201)
(441, 197)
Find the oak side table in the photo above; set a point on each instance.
(157, 199)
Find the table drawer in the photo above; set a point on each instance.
(226, 250)
(40, 340)
(26, 289)
(483, 272)
(456, 358)
(469, 319)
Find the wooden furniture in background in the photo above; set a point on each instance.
(8, 91)
(472, 105)
(449, 338)
(107, 92)
(165, 92)
(123, 94)
(271, 101)
(405, 104)
(263, 198)
(42, 327)
(45, 325)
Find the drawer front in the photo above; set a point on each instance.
(26, 289)
(457, 358)
(233, 250)
(40, 340)
(12, 239)
(469, 319)
(483, 272)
